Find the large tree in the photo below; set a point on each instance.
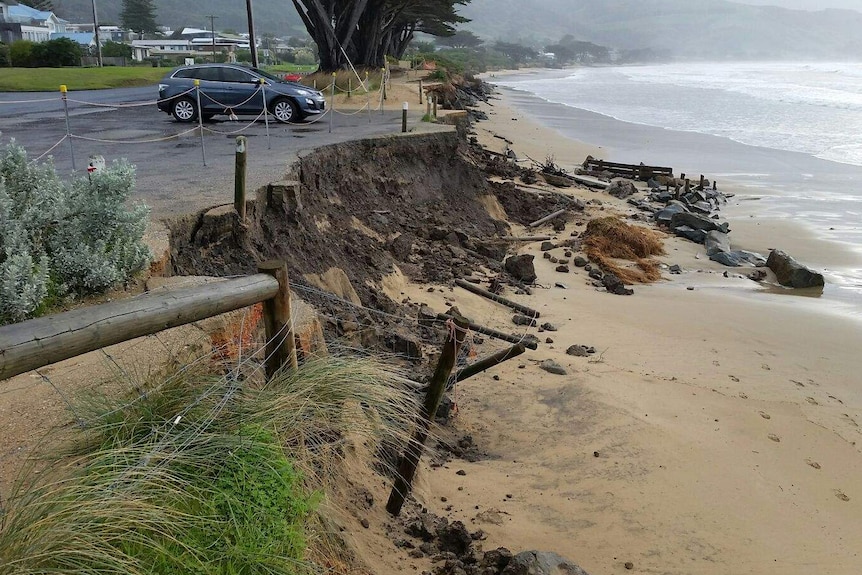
(364, 32)
(139, 15)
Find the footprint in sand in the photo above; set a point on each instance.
(850, 419)
(811, 400)
(774, 438)
(840, 495)
(836, 399)
(742, 395)
(798, 383)
(715, 363)
(765, 367)
(733, 378)
(765, 415)
(813, 464)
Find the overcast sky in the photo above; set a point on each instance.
(808, 4)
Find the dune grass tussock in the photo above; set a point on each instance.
(203, 473)
(610, 238)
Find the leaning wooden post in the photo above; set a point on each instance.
(420, 92)
(239, 177)
(435, 104)
(280, 342)
(404, 108)
(410, 461)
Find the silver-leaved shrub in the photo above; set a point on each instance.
(64, 239)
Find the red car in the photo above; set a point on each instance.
(293, 77)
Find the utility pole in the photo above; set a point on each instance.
(96, 32)
(212, 29)
(251, 43)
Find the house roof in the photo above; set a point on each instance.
(26, 12)
(82, 38)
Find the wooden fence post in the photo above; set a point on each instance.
(280, 338)
(239, 177)
(410, 460)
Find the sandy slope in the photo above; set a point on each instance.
(715, 431)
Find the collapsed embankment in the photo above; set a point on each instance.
(347, 214)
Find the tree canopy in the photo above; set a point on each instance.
(364, 32)
(139, 15)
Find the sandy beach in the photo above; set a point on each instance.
(715, 431)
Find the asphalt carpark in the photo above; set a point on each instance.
(171, 176)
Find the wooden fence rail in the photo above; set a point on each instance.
(38, 342)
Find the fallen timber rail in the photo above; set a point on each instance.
(528, 311)
(639, 171)
(530, 343)
(39, 342)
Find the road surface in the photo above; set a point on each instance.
(171, 176)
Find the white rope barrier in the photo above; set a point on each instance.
(164, 139)
(247, 126)
(51, 149)
(131, 104)
(359, 111)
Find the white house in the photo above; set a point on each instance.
(35, 25)
(164, 48)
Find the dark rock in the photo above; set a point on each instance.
(563, 269)
(546, 246)
(554, 260)
(365, 523)
(553, 367)
(729, 259)
(702, 207)
(496, 559)
(561, 286)
(426, 316)
(521, 268)
(404, 544)
(402, 246)
(549, 327)
(697, 222)
(615, 285)
(697, 236)
(675, 269)
(567, 253)
(549, 340)
(577, 351)
(460, 472)
(666, 215)
(454, 538)
(407, 346)
(621, 189)
(596, 274)
(547, 255)
(629, 565)
(494, 251)
(716, 242)
(757, 275)
(588, 268)
(791, 273)
(559, 225)
(416, 553)
(519, 319)
(580, 261)
(541, 563)
(753, 258)
(427, 548)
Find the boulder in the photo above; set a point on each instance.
(615, 285)
(577, 351)
(563, 269)
(697, 222)
(716, 242)
(729, 259)
(791, 273)
(454, 538)
(541, 563)
(621, 189)
(689, 233)
(546, 246)
(553, 367)
(666, 214)
(580, 261)
(702, 207)
(496, 559)
(521, 268)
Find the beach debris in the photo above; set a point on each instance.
(622, 189)
(791, 273)
(496, 298)
(549, 327)
(774, 438)
(489, 362)
(561, 286)
(580, 350)
(547, 246)
(841, 495)
(519, 319)
(563, 269)
(757, 275)
(521, 268)
(596, 274)
(675, 269)
(530, 341)
(547, 219)
(552, 367)
(541, 563)
(609, 239)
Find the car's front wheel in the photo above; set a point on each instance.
(184, 110)
(285, 111)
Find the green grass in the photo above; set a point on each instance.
(288, 68)
(204, 471)
(50, 79)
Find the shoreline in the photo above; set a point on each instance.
(712, 432)
(758, 219)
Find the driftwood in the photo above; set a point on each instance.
(548, 218)
(494, 297)
(531, 343)
(489, 362)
